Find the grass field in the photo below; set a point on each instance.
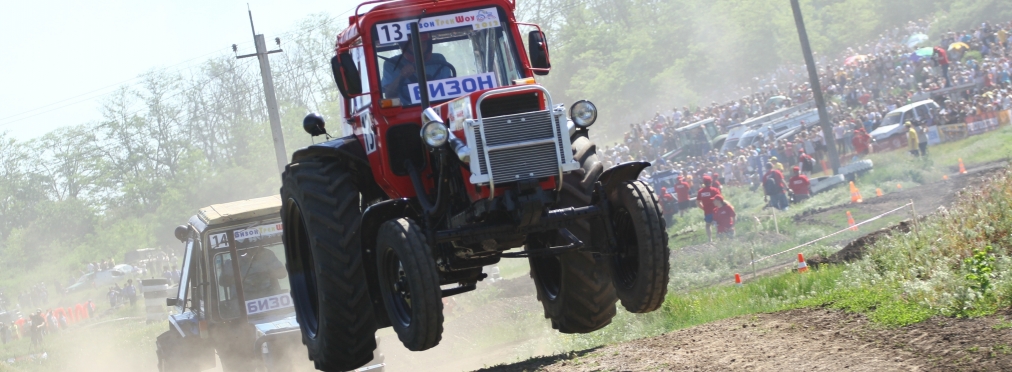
(904, 279)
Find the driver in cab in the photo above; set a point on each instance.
(399, 71)
(261, 271)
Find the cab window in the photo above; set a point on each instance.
(259, 266)
(471, 55)
(362, 101)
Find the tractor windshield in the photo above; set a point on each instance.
(464, 53)
(261, 269)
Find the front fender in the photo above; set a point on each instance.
(613, 177)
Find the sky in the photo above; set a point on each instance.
(60, 59)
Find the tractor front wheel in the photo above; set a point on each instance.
(640, 266)
(409, 282)
(574, 287)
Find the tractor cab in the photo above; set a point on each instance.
(233, 294)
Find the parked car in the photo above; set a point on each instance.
(892, 123)
(118, 274)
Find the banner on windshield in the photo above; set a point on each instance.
(453, 87)
(248, 237)
(395, 32)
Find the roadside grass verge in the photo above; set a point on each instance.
(701, 306)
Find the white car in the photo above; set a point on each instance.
(118, 274)
(893, 122)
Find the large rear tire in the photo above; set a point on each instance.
(166, 349)
(409, 282)
(640, 267)
(321, 213)
(574, 288)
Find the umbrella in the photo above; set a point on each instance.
(775, 100)
(958, 46)
(915, 39)
(853, 60)
(925, 52)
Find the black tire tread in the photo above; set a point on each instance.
(651, 284)
(426, 329)
(347, 326)
(586, 300)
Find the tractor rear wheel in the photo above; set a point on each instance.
(321, 213)
(166, 349)
(409, 282)
(640, 266)
(574, 288)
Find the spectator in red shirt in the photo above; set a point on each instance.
(669, 205)
(774, 187)
(682, 194)
(723, 216)
(799, 185)
(807, 162)
(861, 141)
(942, 58)
(704, 198)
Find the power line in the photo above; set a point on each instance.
(93, 91)
(12, 119)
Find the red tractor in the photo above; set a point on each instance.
(449, 171)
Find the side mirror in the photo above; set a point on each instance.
(314, 125)
(170, 302)
(537, 48)
(346, 75)
(181, 232)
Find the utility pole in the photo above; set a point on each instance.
(813, 77)
(272, 100)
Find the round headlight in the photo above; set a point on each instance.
(583, 113)
(435, 134)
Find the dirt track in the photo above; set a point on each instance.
(799, 340)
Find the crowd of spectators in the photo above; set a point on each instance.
(967, 73)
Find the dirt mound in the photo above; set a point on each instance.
(855, 249)
(799, 340)
(927, 199)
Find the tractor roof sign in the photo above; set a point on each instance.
(395, 32)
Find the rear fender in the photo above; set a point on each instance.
(345, 147)
(613, 177)
(372, 219)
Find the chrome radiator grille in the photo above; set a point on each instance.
(510, 148)
(533, 160)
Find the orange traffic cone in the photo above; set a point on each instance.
(962, 169)
(825, 169)
(850, 222)
(945, 177)
(802, 265)
(737, 279)
(878, 192)
(899, 186)
(855, 196)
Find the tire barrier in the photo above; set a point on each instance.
(155, 292)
